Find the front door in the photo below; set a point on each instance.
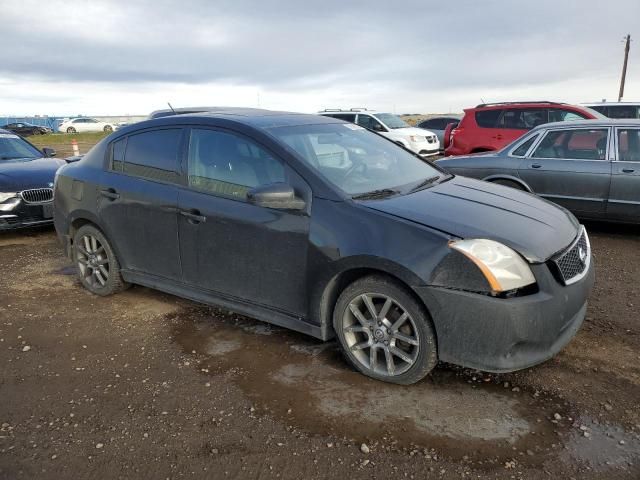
(624, 196)
(138, 201)
(571, 167)
(230, 246)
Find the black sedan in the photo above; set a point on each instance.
(26, 182)
(24, 129)
(591, 167)
(327, 228)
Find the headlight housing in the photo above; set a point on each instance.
(503, 268)
(416, 138)
(4, 196)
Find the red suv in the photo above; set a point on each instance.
(491, 126)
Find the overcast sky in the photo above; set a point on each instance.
(130, 57)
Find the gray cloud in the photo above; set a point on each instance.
(290, 44)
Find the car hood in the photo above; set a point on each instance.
(16, 175)
(467, 208)
(411, 131)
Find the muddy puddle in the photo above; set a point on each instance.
(307, 384)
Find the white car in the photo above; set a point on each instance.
(85, 124)
(423, 142)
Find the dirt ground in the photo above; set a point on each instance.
(145, 385)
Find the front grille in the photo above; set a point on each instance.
(573, 263)
(37, 195)
(431, 139)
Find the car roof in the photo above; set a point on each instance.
(329, 111)
(254, 117)
(608, 122)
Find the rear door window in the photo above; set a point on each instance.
(154, 155)
(370, 123)
(488, 118)
(577, 144)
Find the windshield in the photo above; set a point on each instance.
(356, 160)
(12, 147)
(391, 121)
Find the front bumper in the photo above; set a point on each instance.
(26, 215)
(507, 334)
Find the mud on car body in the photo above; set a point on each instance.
(324, 227)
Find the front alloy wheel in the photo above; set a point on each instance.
(384, 332)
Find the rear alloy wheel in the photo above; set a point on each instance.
(97, 265)
(71, 130)
(384, 332)
(108, 129)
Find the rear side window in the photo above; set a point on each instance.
(370, 123)
(522, 150)
(154, 155)
(559, 115)
(117, 155)
(488, 118)
(348, 117)
(623, 111)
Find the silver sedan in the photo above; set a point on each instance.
(591, 167)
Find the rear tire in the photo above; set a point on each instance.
(384, 332)
(108, 129)
(96, 263)
(71, 130)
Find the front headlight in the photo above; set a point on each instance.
(416, 138)
(4, 196)
(503, 268)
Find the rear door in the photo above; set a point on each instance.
(230, 246)
(624, 197)
(139, 199)
(571, 167)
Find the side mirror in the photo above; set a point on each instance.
(276, 195)
(49, 152)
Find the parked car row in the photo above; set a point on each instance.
(25, 129)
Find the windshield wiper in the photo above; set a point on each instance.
(381, 193)
(425, 182)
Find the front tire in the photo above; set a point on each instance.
(384, 332)
(71, 130)
(96, 263)
(108, 129)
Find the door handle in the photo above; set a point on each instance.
(535, 165)
(110, 193)
(193, 216)
(628, 170)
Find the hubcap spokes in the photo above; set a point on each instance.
(381, 334)
(93, 262)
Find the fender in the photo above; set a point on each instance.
(511, 178)
(324, 293)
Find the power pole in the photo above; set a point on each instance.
(624, 67)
